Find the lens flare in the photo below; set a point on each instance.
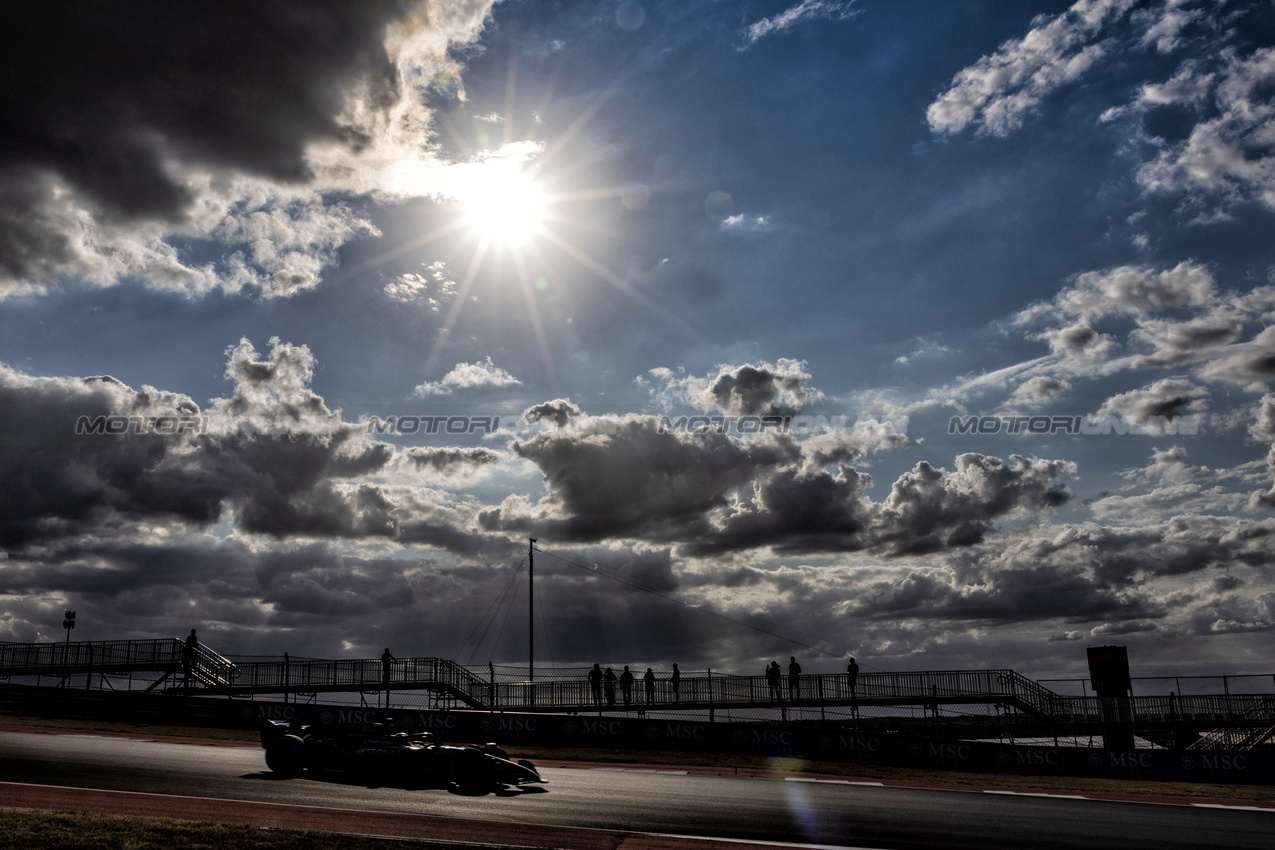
(503, 207)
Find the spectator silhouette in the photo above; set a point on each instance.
(852, 675)
(386, 658)
(676, 681)
(794, 677)
(649, 679)
(189, 650)
(626, 685)
(595, 683)
(608, 680)
(772, 679)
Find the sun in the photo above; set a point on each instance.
(503, 206)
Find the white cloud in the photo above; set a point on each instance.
(1037, 391)
(1227, 158)
(1128, 290)
(748, 390)
(742, 223)
(433, 290)
(468, 376)
(837, 10)
(997, 91)
(1164, 27)
(1157, 407)
(268, 194)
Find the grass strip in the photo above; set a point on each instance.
(28, 830)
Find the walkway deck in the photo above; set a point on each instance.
(1015, 699)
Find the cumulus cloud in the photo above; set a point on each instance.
(1081, 574)
(1227, 157)
(433, 290)
(468, 376)
(1156, 407)
(1263, 425)
(1126, 290)
(1222, 160)
(1037, 391)
(1204, 330)
(1250, 365)
(560, 412)
(997, 92)
(753, 389)
(1079, 341)
(1176, 343)
(246, 147)
(710, 492)
(270, 459)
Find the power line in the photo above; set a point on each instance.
(489, 618)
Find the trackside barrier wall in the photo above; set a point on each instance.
(818, 742)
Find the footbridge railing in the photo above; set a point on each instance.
(172, 665)
(89, 656)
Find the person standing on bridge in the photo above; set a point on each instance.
(772, 679)
(189, 650)
(626, 685)
(386, 660)
(608, 679)
(794, 678)
(676, 681)
(649, 679)
(595, 683)
(852, 675)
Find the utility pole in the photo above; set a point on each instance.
(531, 610)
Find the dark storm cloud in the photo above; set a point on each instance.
(795, 512)
(1175, 578)
(1023, 595)
(754, 391)
(627, 477)
(196, 147)
(930, 509)
(57, 482)
(714, 492)
(445, 460)
(310, 599)
(272, 458)
(106, 94)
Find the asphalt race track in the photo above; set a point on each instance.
(765, 810)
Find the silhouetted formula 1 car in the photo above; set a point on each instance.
(376, 750)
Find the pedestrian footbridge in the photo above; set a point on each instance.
(160, 666)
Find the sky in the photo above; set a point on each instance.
(939, 334)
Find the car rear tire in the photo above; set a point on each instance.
(286, 756)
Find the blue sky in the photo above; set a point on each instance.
(975, 297)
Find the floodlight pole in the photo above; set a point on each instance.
(531, 610)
